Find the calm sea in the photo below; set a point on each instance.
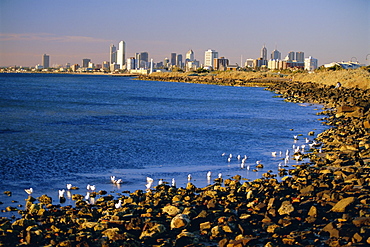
(59, 129)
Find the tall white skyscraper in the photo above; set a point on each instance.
(310, 63)
(264, 53)
(190, 55)
(121, 54)
(45, 61)
(209, 55)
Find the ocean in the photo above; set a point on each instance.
(82, 129)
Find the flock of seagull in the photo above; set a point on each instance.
(298, 151)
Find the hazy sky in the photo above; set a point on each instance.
(329, 30)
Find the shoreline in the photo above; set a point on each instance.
(322, 203)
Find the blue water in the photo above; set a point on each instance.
(80, 129)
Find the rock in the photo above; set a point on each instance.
(286, 208)
(171, 210)
(332, 230)
(180, 221)
(44, 199)
(341, 206)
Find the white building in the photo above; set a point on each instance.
(209, 56)
(310, 63)
(190, 55)
(131, 63)
(121, 61)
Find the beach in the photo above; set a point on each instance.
(324, 202)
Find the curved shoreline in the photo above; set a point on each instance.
(323, 203)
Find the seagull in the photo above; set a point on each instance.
(160, 181)
(173, 182)
(149, 182)
(90, 187)
(238, 157)
(61, 193)
(29, 191)
(119, 204)
(273, 154)
(242, 164)
(87, 197)
(295, 137)
(248, 167)
(229, 159)
(220, 175)
(114, 180)
(189, 177)
(69, 186)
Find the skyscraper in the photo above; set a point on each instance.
(85, 62)
(299, 56)
(190, 55)
(121, 61)
(173, 59)
(291, 56)
(113, 54)
(275, 55)
(179, 60)
(209, 55)
(264, 53)
(45, 61)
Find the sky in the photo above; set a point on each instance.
(330, 30)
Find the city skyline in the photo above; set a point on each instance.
(329, 31)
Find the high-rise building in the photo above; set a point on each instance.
(131, 63)
(45, 61)
(264, 53)
(189, 55)
(220, 63)
(179, 60)
(209, 56)
(112, 54)
(291, 56)
(121, 53)
(310, 63)
(275, 55)
(173, 59)
(85, 62)
(299, 56)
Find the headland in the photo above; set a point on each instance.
(324, 202)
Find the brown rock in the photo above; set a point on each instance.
(340, 206)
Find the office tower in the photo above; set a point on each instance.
(275, 55)
(121, 61)
(166, 62)
(190, 55)
(106, 65)
(173, 59)
(179, 60)
(291, 56)
(299, 56)
(310, 63)
(131, 63)
(112, 54)
(264, 53)
(144, 60)
(209, 55)
(85, 62)
(45, 61)
(220, 63)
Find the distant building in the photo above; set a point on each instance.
(131, 63)
(220, 63)
(106, 65)
(249, 63)
(209, 57)
(299, 56)
(310, 63)
(85, 62)
(173, 59)
(179, 62)
(189, 55)
(121, 53)
(344, 65)
(264, 53)
(45, 61)
(291, 56)
(112, 54)
(275, 55)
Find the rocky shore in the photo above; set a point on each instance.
(324, 202)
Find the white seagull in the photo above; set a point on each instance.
(119, 204)
(29, 191)
(114, 180)
(69, 186)
(61, 193)
(149, 182)
(189, 177)
(173, 182)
